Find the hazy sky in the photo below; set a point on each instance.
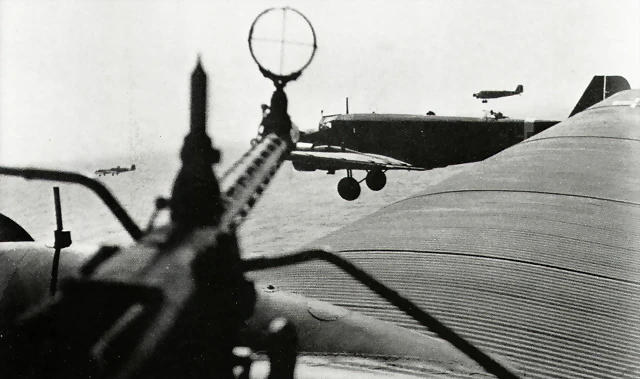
(81, 80)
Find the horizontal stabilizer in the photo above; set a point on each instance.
(599, 89)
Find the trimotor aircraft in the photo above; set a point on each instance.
(377, 143)
(485, 95)
(114, 170)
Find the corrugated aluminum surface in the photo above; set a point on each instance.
(534, 254)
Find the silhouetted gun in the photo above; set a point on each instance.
(172, 304)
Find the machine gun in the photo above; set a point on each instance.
(171, 304)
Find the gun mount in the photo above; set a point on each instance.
(157, 306)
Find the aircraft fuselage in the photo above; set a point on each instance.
(423, 141)
(115, 170)
(493, 94)
(497, 94)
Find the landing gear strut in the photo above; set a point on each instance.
(376, 180)
(349, 188)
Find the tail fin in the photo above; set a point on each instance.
(133, 167)
(519, 89)
(599, 89)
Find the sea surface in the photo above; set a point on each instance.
(296, 209)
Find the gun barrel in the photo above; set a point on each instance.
(244, 186)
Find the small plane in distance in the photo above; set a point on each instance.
(484, 95)
(114, 170)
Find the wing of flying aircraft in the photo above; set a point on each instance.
(531, 254)
(332, 158)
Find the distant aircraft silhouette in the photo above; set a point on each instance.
(484, 95)
(115, 170)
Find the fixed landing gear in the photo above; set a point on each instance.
(376, 180)
(349, 188)
(484, 101)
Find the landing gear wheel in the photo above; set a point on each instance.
(376, 180)
(349, 188)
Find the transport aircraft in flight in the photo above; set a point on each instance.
(114, 170)
(377, 143)
(485, 95)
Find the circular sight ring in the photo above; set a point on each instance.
(282, 79)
